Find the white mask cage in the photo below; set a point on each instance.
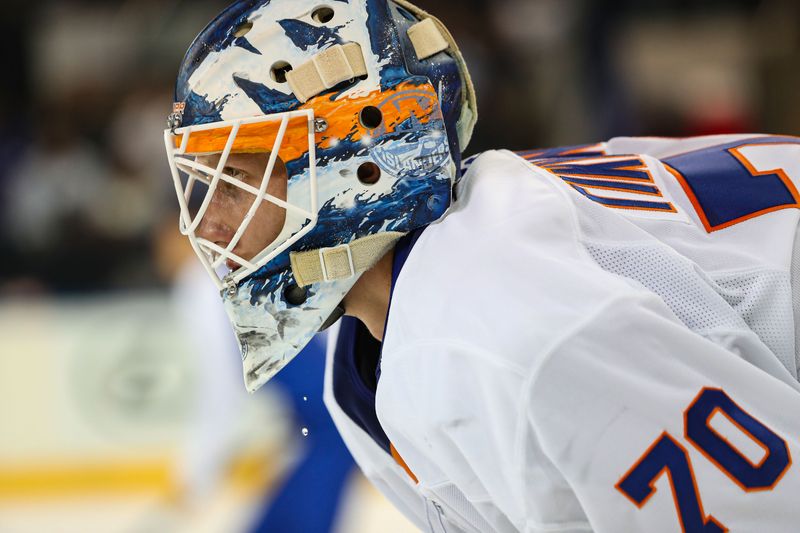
(250, 135)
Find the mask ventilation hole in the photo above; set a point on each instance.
(322, 14)
(279, 70)
(371, 117)
(369, 173)
(295, 295)
(243, 29)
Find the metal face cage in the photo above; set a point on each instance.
(284, 135)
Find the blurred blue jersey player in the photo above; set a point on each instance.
(309, 497)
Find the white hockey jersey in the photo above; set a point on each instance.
(592, 341)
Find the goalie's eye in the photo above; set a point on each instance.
(236, 173)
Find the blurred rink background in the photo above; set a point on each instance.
(122, 407)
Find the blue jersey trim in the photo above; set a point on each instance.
(357, 354)
(353, 394)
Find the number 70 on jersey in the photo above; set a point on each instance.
(668, 457)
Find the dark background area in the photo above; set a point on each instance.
(87, 85)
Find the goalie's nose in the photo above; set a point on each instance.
(212, 229)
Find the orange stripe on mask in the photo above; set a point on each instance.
(342, 117)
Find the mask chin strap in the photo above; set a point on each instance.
(341, 262)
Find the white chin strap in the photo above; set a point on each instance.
(341, 262)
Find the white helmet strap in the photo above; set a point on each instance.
(327, 69)
(427, 39)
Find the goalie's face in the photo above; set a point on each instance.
(230, 205)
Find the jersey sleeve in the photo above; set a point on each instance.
(656, 428)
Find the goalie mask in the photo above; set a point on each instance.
(307, 136)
